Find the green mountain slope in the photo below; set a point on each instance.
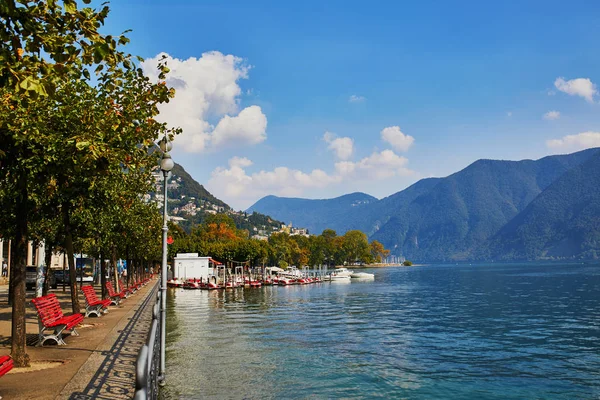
(190, 188)
(315, 215)
(466, 208)
(562, 222)
(190, 203)
(453, 218)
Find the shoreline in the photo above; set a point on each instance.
(387, 265)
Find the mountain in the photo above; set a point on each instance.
(315, 215)
(465, 209)
(188, 187)
(190, 203)
(562, 222)
(482, 211)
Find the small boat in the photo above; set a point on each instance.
(343, 271)
(175, 283)
(210, 286)
(191, 284)
(362, 275)
(339, 278)
(284, 281)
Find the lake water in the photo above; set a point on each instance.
(433, 332)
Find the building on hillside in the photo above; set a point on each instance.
(176, 220)
(260, 237)
(189, 208)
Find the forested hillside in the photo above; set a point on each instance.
(455, 218)
(562, 222)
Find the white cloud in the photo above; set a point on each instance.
(394, 136)
(248, 127)
(239, 186)
(241, 162)
(356, 99)
(552, 115)
(377, 166)
(207, 90)
(236, 184)
(577, 87)
(343, 147)
(580, 141)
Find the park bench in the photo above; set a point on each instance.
(6, 364)
(93, 305)
(51, 317)
(114, 297)
(128, 290)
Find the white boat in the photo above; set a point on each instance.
(343, 271)
(339, 278)
(362, 275)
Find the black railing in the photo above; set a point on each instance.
(148, 360)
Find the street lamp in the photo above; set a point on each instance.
(166, 165)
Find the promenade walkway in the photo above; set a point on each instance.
(98, 364)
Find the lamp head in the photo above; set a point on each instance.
(165, 145)
(166, 163)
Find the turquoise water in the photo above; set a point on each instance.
(432, 332)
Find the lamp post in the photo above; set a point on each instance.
(166, 165)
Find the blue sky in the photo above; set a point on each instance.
(260, 83)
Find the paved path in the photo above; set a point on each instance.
(98, 364)
(115, 366)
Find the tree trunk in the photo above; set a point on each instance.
(11, 272)
(63, 269)
(18, 350)
(71, 260)
(47, 261)
(103, 275)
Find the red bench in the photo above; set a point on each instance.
(51, 317)
(128, 290)
(114, 297)
(6, 364)
(93, 305)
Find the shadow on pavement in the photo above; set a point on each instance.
(115, 378)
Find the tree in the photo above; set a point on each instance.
(329, 247)
(378, 252)
(41, 45)
(355, 247)
(54, 125)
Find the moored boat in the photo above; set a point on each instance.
(175, 283)
(339, 278)
(191, 284)
(342, 271)
(362, 275)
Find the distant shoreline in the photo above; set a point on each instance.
(382, 265)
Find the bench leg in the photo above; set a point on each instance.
(56, 336)
(96, 310)
(74, 332)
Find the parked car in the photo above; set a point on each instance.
(31, 275)
(62, 276)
